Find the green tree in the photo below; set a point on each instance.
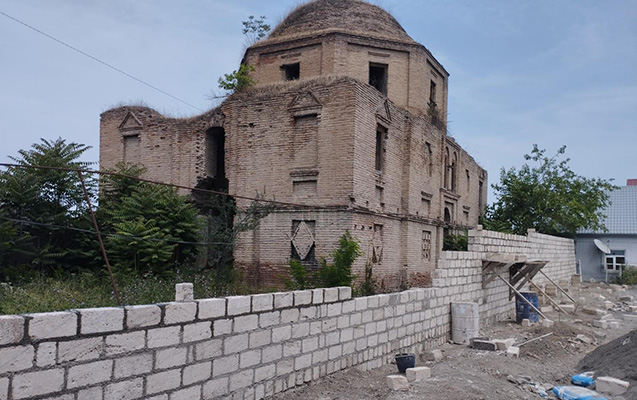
(39, 205)
(237, 80)
(255, 29)
(548, 196)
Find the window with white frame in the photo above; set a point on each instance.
(615, 260)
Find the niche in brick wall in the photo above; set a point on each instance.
(377, 244)
(132, 148)
(302, 243)
(305, 142)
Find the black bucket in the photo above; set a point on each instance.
(404, 361)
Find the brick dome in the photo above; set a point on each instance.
(346, 16)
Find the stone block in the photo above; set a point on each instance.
(31, 384)
(161, 337)
(238, 305)
(197, 332)
(211, 308)
(224, 365)
(589, 310)
(526, 322)
(249, 358)
(602, 324)
(317, 296)
(546, 309)
(614, 325)
(246, 323)
(221, 327)
(484, 345)
(302, 297)
(584, 339)
(632, 308)
(170, 357)
(612, 386)
(89, 374)
(45, 354)
(471, 340)
(197, 373)
(344, 293)
(513, 352)
(262, 302)
(283, 299)
(629, 317)
(504, 344)
(626, 298)
(397, 382)
(330, 295)
(265, 372)
(126, 390)
(418, 374)
(11, 329)
(125, 342)
(569, 308)
(142, 316)
(52, 325)
(16, 358)
(209, 349)
(80, 350)
(176, 313)
(547, 323)
(162, 381)
(241, 379)
(101, 320)
(184, 292)
(133, 365)
(235, 343)
(93, 393)
(4, 388)
(215, 388)
(609, 305)
(190, 393)
(431, 355)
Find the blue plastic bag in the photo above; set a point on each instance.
(585, 379)
(576, 393)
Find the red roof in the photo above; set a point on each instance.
(631, 182)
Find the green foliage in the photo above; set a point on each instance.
(369, 286)
(237, 80)
(255, 29)
(549, 197)
(36, 203)
(455, 242)
(339, 273)
(629, 277)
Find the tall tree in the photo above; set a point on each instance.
(548, 196)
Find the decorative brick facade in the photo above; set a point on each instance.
(374, 160)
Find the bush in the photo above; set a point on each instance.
(629, 277)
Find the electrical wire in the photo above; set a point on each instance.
(99, 61)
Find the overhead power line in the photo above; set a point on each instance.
(100, 61)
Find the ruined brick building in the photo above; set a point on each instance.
(348, 117)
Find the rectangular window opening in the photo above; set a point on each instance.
(432, 93)
(378, 77)
(380, 147)
(291, 72)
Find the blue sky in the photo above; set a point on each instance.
(522, 72)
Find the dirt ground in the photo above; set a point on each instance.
(465, 373)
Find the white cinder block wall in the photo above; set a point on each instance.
(250, 347)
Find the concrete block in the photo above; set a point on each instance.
(602, 324)
(162, 381)
(431, 355)
(632, 308)
(142, 316)
(235, 344)
(133, 365)
(170, 357)
(197, 373)
(283, 299)
(208, 349)
(584, 339)
(626, 298)
(241, 379)
(176, 313)
(504, 344)
(344, 293)
(629, 317)
(317, 296)
(397, 382)
(260, 338)
(16, 358)
(249, 358)
(238, 305)
(614, 325)
(31, 384)
(190, 393)
(4, 388)
(290, 315)
(216, 388)
(211, 308)
(246, 323)
(418, 374)
(265, 372)
(546, 309)
(302, 297)
(526, 323)
(513, 352)
(162, 337)
(221, 327)
(11, 329)
(262, 302)
(547, 323)
(89, 374)
(609, 305)
(589, 310)
(52, 325)
(81, 350)
(569, 308)
(125, 342)
(197, 332)
(184, 292)
(330, 295)
(45, 355)
(471, 340)
(126, 390)
(101, 320)
(612, 386)
(269, 319)
(484, 345)
(93, 393)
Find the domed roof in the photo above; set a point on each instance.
(346, 16)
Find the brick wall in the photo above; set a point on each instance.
(250, 346)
